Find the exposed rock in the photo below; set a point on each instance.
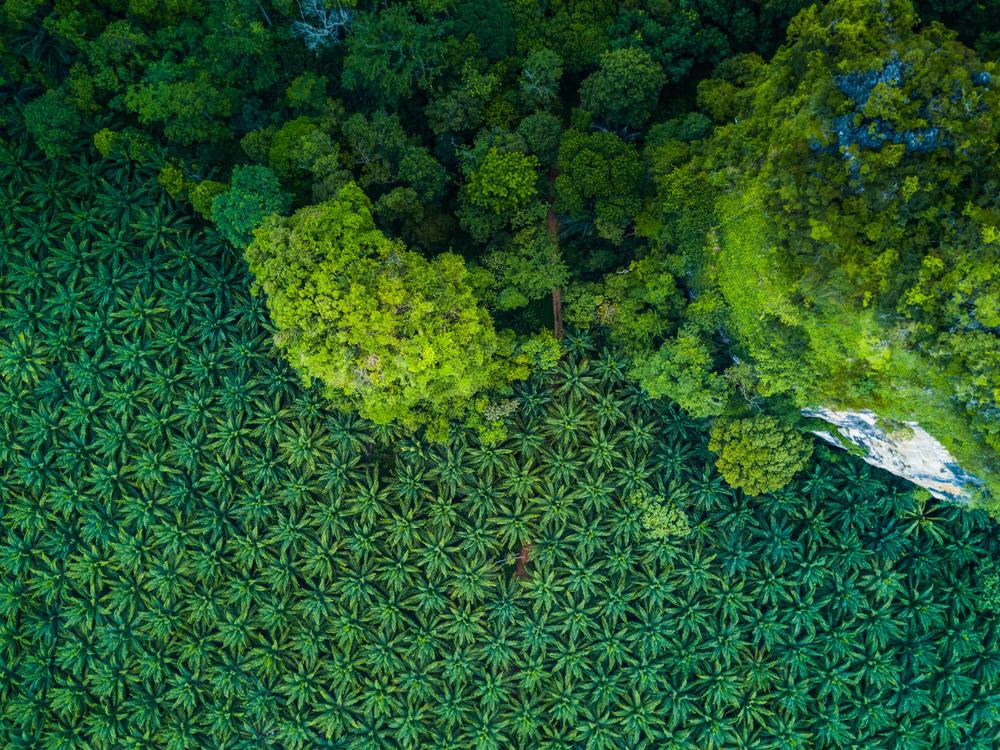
(856, 129)
(903, 448)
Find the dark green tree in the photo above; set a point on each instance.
(623, 92)
(391, 53)
(599, 181)
(254, 193)
(53, 122)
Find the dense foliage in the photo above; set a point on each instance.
(868, 221)
(395, 336)
(766, 205)
(759, 454)
(198, 552)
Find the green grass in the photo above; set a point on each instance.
(195, 552)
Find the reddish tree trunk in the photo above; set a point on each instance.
(552, 221)
(523, 557)
(557, 324)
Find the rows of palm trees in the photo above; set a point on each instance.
(195, 552)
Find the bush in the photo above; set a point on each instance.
(988, 593)
(53, 123)
(662, 518)
(759, 454)
(171, 177)
(203, 194)
(106, 141)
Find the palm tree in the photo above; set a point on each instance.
(366, 498)
(610, 366)
(442, 512)
(578, 343)
(609, 410)
(562, 463)
(448, 467)
(383, 658)
(459, 664)
(634, 472)
(473, 581)
(566, 421)
(520, 480)
(397, 572)
(563, 703)
(410, 483)
(515, 524)
(575, 379)
(533, 397)
(505, 607)
(408, 728)
(477, 541)
(919, 607)
(922, 517)
(526, 720)
(482, 499)
(347, 432)
(601, 450)
(357, 586)
(489, 460)
(528, 439)
(379, 698)
(403, 527)
(577, 617)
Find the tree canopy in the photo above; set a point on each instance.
(857, 256)
(765, 206)
(398, 337)
(439, 374)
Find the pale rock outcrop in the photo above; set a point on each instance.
(904, 449)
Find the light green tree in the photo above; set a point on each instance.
(504, 182)
(400, 338)
(526, 269)
(759, 454)
(662, 518)
(501, 193)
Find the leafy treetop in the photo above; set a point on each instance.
(399, 337)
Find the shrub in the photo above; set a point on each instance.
(661, 518)
(53, 122)
(106, 141)
(758, 454)
(203, 194)
(988, 594)
(172, 179)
